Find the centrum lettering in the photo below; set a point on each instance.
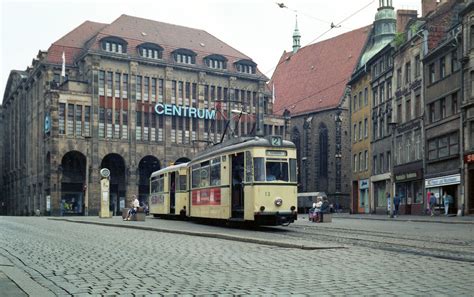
(184, 111)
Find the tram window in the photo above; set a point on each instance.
(182, 182)
(195, 177)
(259, 169)
(277, 171)
(248, 167)
(293, 177)
(161, 182)
(216, 172)
(204, 175)
(154, 185)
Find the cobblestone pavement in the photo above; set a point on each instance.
(79, 259)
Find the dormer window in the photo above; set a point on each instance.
(246, 66)
(216, 62)
(150, 51)
(184, 56)
(114, 45)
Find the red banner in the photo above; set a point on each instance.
(209, 196)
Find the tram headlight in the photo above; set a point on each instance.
(262, 208)
(292, 208)
(278, 201)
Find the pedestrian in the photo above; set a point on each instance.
(388, 202)
(432, 201)
(396, 204)
(448, 199)
(133, 210)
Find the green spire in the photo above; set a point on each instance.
(296, 37)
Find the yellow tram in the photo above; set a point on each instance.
(244, 179)
(169, 192)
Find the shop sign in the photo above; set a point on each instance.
(469, 158)
(185, 111)
(443, 181)
(406, 176)
(363, 184)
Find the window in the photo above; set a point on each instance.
(399, 111)
(374, 165)
(139, 88)
(417, 105)
(160, 90)
(276, 171)
(431, 71)
(360, 130)
(454, 103)
(408, 108)
(114, 45)
(366, 127)
(407, 72)
(366, 97)
(125, 86)
(244, 68)
(151, 51)
(101, 122)
(453, 144)
(376, 127)
(443, 107)
(442, 67)
(259, 169)
(417, 144)
(417, 66)
(146, 88)
(355, 163)
(109, 83)
(216, 171)
(70, 119)
(87, 121)
(382, 93)
(323, 151)
(153, 89)
(78, 120)
(360, 99)
(375, 96)
(389, 161)
(389, 90)
(354, 103)
(361, 166)
(184, 58)
(101, 83)
(355, 132)
(444, 146)
(216, 62)
(455, 65)
(117, 85)
(399, 78)
(366, 160)
(62, 118)
(381, 164)
(432, 114)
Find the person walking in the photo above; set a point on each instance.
(396, 204)
(432, 202)
(388, 203)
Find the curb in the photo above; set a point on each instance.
(407, 220)
(208, 235)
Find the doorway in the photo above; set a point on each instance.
(237, 185)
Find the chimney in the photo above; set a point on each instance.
(428, 6)
(403, 17)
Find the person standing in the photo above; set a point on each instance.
(388, 202)
(448, 199)
(396, 204)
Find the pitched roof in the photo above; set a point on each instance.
(73, 42)
(135, 31)
(315, 77)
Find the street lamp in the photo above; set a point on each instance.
(392, 126)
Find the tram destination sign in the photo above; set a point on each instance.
(185, 111)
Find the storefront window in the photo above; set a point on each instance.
(401, 191)
(418, 192)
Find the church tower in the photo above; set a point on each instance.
(296, 37)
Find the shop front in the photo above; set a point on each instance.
(409, 187)
(364, 205)
(448, 184)
(380, 188)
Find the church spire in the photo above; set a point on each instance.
(296, 37)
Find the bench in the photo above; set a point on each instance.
(327, 218)
(140, 215)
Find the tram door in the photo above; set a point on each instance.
(172, 178)
(237, 185)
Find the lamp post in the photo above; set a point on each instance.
(392, 175)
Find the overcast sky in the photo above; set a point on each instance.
(258, 28)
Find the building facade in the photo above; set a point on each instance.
(123, 97)
(366, 94)
(381, 67)
(467, 109)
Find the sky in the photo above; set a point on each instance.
(258, 28)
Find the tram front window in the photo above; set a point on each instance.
(277, 171)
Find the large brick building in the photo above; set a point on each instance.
(131, 96)
(310, 85)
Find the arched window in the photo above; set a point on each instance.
(323, 150)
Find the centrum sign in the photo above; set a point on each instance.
(185, 111)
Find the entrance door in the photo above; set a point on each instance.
(355, 197)
(237, 185)
(172, 179)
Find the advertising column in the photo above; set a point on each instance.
(104, 193)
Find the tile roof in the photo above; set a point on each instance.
(315, 77)
(135, 31)
(73, 42)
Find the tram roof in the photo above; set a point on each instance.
(239, 143)
(169, 168)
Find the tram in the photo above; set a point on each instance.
(245, 179)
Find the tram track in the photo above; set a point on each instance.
(449, 249)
